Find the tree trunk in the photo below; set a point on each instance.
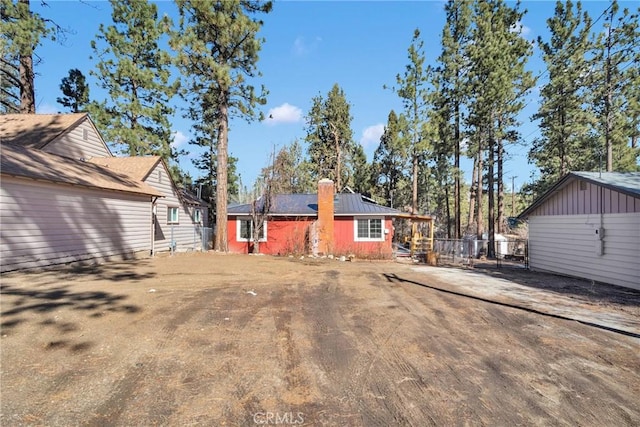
(257, 224)
(501, 221)
(491, 218)
(414, 184)
(479, 193)
(456, 167)
(221, 179)
(473, 191)
(27, 91)
(607, 104)
(448, 208)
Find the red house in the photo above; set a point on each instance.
(323, 224)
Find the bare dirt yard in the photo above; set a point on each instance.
(210, 339)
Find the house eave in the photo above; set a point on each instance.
(87, 186)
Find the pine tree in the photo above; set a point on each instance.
(445, 149)
(9, 84)
(498, 79)
(632, 97)
(450, 76)
(359, 181)
(208, 164)
(218, 48)
(75, 91)
(390, 166)
(22, 32)
(330, 137)
(614, 65)
(564, 119)
(413, 91)
(290, 172)
(135, 72)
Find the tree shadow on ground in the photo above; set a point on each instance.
(40, 303)
(22, 300)
(115, 272)
(122, 271)
(594, 292)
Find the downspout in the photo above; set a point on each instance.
(153, 225)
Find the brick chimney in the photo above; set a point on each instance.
(325, 216)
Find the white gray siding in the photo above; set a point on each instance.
(44, 224)
(186, 234)
(567, 244)
(81, 142)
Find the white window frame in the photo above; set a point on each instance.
(197, 216)
(170, 219)
(239, 221)
(369, 239)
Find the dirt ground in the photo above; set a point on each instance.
(211, 339)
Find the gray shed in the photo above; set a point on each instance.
(588, 225)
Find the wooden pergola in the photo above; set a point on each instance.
(420, 243)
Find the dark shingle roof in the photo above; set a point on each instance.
(307, 205)
(36, 130)
(23, 162)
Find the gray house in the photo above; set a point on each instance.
(179, 218)
(64, 197)
(588, 225)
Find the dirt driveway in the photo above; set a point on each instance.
(209, 339)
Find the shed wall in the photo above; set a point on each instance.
(566, 244)
(582, 197)
(44, 224)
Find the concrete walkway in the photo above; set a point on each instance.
(624, 319)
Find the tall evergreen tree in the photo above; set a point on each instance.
(615, 63)
(207, 182)
(330, 137)
(75, 91)
(218, 46)
(22, 32)
(498, 79)
(360, 179)
(9, 84)
(135, 72)
(290, 172)
(413, 90)
(390, 166)
(446, 154)
(564, 119)
(451, 78)
(632, 96)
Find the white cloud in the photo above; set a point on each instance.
(372, 134)
(179, 139)
(520, 28)
(302, 47)
(47, 109)
(285, 113)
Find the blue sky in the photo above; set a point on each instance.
(361, 45)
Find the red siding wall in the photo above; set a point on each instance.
(345, 244)
(290, 236)
(284, 236)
